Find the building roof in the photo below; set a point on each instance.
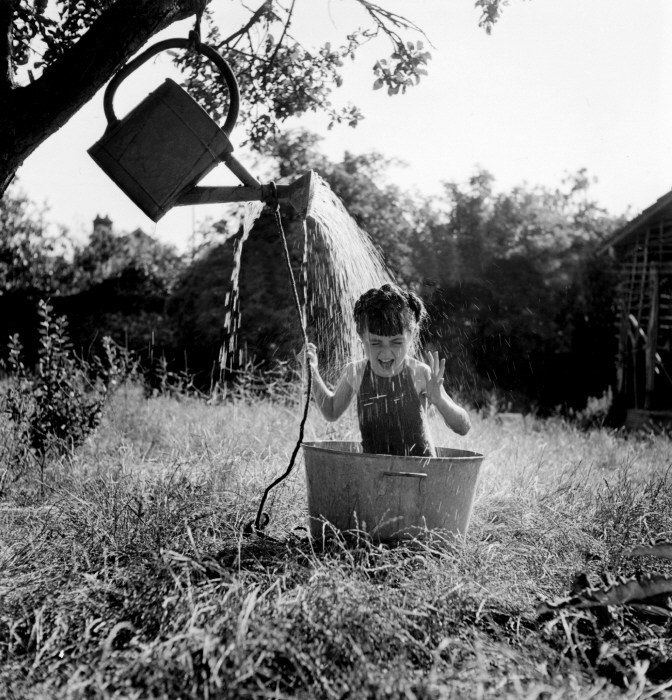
(105, 221)
(660, 209)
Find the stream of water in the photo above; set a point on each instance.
(340, 264)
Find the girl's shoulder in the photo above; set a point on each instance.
(354, 371)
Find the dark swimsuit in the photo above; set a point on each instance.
(392, 416)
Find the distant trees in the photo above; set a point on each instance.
(115, 284)
(519, 306)
(33, 265)
(30, 256)
(269, 331)
(510, 281)
(517, 303)
(120, 285)
(136, 254)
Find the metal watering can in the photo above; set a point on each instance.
(159, 151)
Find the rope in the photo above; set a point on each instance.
(195, 33)
(258, 525)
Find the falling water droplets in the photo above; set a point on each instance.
(340, 264)
(232, 316)
(343, 263)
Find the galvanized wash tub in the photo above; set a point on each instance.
(388, 496)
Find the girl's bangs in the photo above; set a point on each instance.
(387, 322)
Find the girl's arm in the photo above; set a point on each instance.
(454, 416)
(332, 404)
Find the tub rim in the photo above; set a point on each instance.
(323, 445)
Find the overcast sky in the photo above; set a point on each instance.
(559, 85)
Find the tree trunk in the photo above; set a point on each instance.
(32, 113)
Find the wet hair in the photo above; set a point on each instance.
(388, 311)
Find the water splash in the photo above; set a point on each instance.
(229, 348)
(340, 264)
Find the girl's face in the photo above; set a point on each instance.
(387, 353)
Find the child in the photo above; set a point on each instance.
(393, 389)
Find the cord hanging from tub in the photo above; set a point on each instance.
(258, 525)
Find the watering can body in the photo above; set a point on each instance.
(163, 147)
(167, 143)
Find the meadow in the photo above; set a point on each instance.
(128, 573)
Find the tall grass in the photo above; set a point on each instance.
(132, 578)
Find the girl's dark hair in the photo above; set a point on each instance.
(388, 311)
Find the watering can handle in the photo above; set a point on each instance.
(207, 51)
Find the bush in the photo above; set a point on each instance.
(53, 409)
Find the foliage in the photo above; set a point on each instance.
(196, 310)
(159, 380)
(58, 30)
(283, 77)
(30, 258)
(407, 66)
(137, 256)
(121, 283)
(56, 408)
(511, 280)
(381, 209)
(67, 21)
(269, 331)
(115, 285)
(518, 304)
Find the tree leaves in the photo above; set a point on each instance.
(30, 258)
(280, 77)
(491, 11)
(404, 70)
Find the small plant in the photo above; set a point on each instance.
(159, 380)
(596, 411)
(54, 409)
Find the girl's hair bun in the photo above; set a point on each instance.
(416, 305)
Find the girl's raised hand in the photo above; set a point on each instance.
(435, 382)
(310, 351)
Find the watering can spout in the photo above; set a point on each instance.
(298, 193)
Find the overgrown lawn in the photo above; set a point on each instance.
(132, 578)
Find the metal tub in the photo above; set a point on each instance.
(388, 496)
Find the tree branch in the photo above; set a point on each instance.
(34, 112)
(386, 19)
(290, 12)
(118, 33)
(6, 70)
(258, 14)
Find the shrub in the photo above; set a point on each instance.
(53, 409)
(596, 412)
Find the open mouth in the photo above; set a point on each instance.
(386, 364)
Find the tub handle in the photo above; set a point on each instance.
(420, 475)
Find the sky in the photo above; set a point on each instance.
(557, 86)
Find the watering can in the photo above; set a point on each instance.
(167, 143)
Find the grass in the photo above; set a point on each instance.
(132, 578)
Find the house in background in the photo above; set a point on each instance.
(642, 250)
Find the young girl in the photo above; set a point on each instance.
(393, 389)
